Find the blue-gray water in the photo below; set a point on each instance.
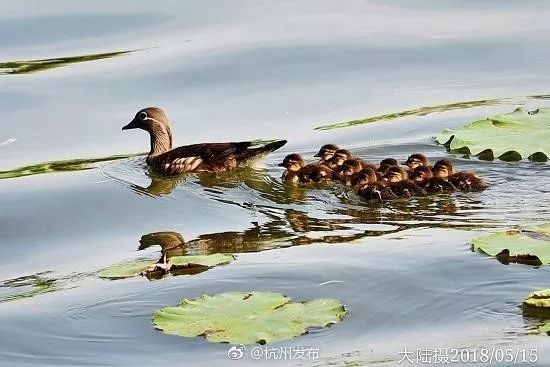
(236, 70)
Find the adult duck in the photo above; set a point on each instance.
(204, 157)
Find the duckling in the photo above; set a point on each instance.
(326, 153)
(400, 183)
(314, 174)
(339, 157)
(293, 163)
(423, 177)
(416, 160)
(205, 157)
(297, 171)
(377, 191)
(421, 174)
(363, 177)
(467, 181)
(442, 169)
(347, 169)
(385, 164)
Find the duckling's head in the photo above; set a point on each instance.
(421, 173)
(326, 152)
(293, 162)
(443, 168)
(340, 156)
(363, 177)
(350, 166)
(416, 160)
(387, 163)
(395, 174)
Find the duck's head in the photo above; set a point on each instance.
(340, 156)
(154, 121)
(293, 162)
(443, 168)
(350, 166)
(326, 152)
(395, 174)
(387, 163)
(421, 173)
(416, 160)
(149, 119)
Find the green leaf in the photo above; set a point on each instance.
(515, 245)
(537, 305)
(126, 269)
(420, 111)
(247, 318)
(510, 137)
(60, 166)
(33, 66)
(201, 260)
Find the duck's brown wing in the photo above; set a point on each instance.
(210, 157)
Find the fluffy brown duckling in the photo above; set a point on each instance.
(363, 177)
(463, 181)
(377, 191)
(205, 157)
(347, 169)
(417, 160)
(467, 181)
(326, 153)
(421, 174)
(338, 159)
(385, 164)
(298, 172)
(424, 178)
(292, 163)
(400, 183)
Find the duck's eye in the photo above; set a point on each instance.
(142, 115)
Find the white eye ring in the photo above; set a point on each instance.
(142, 115)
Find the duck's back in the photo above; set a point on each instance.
(209, 157)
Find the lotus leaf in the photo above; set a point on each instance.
(201, 260)
(537, 304)
(126, 269)
(513, 136)
(531, 245)
(247, 318)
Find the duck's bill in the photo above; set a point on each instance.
(281, 165)
(131, 125)
(317, 155)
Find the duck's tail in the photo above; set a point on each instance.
(258, 149)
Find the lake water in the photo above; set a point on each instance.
(240, 70)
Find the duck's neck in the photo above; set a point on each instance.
(161, 141)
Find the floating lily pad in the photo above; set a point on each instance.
(537, 305)
(509, 137)
(529, 246)
(247, 318)
(131, 269)
(201, 260)
(126, 269)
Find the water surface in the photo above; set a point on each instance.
(74, 197)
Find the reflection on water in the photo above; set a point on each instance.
(32, 285)
(33, 66)
(60, 166)
(26, 286)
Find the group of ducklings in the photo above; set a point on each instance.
(386, 181)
